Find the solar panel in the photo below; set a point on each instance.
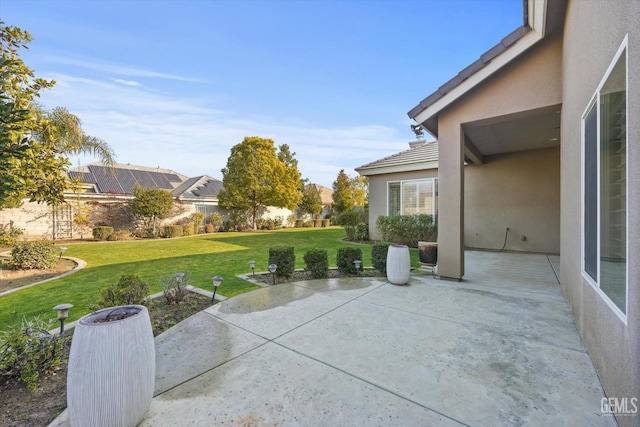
(161, 180)
(126, 179)
(172, 177)
(106, 179)
(143, 179)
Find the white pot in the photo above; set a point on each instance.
(111, 372)
(398, 264)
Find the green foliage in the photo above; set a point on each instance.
(197, 218)
(285, 258)
(39, 254)
(174, 288)
(342, 193)
(345, 258)
(326, 222)
(407, 229)
(360, 190)
(317, 263)
(171, 231)
(152, 205)
(317, 223)
(308, 224)
(9, 234)
(299, 223)
(379, 256)
(256, 177)
(119, 235)
(361, 233)
(188, 229)
(311, 202)
(102, 232)
(29, 351)
(349, 220)
(128, 291)
(216, 220)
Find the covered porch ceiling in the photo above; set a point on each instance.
(526, 130)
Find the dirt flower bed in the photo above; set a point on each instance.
(20, 407)
(11, 279)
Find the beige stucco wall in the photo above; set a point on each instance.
(531, 82)
(594, 31)
(378, 194)
(520, 191)
(35, 220)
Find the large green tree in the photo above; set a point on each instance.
(34, 143)
(256, 176)
(311, 202)
(152, 205)
(342, 193)
(360, 190)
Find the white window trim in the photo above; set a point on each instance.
(623, 48)
(402, 181)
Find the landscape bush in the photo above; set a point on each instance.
(317, 263)
(285, 258)
(174, 287)
(208, 228)
(407, 229)
(345, 258)
(102, 232)
(326, 222)
(9, 234)
(361, 232)
(188, 229)
(216, 220)
(317, 223)
(39, 254)
(349, 220)
(28, 351)
(129, 290)
(173, 231)
(299, 223)
(308, 224)
(379, 256)
(120, 235)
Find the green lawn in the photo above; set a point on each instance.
(202, 256)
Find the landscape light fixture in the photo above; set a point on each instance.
(272, 269)
(62, 249)
(357, 263)
(217, 280)
(179, 277)
(252, 264)
(63, 313)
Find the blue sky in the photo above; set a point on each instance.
(176, 84)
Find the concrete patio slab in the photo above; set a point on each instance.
(273, 386)
(194, 347)
(498, 349)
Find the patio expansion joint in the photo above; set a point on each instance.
(373, 384)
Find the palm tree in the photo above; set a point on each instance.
(64, 130)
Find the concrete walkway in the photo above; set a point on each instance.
(497, 349)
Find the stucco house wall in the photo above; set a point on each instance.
(593, 33)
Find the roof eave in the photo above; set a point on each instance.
(483, 68)
(411, 167)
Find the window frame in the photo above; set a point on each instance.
(594, 102)
(434, 187)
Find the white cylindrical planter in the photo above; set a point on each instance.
(112, 367)
(398, 264)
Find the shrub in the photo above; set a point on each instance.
(308, 224)
(291, 220)
(173, 231)
(345, 259)
(317, 223)
(208, 228)
(9, 234)
(175, 288)
(216, 220)
(349, 220)
(129, 290)
(299, 223)
(379, 256)
(228, 226)
(40, 254)
(188, 229)
(326, 222)
(196, 218)
(102, 232)
(120, 235)
(29, 351)
(317, 263)
(361, 232)
(285, 258)
(407, 229)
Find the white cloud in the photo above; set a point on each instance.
(127, 82)
(194, 136)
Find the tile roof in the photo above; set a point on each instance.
(198, 187)
(421, 155)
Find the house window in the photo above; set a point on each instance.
(207, 210)
(605, 185)
(412, 197)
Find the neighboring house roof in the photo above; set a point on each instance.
(121, 179)
(326, 194)
(421, 155)
(197, 188)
